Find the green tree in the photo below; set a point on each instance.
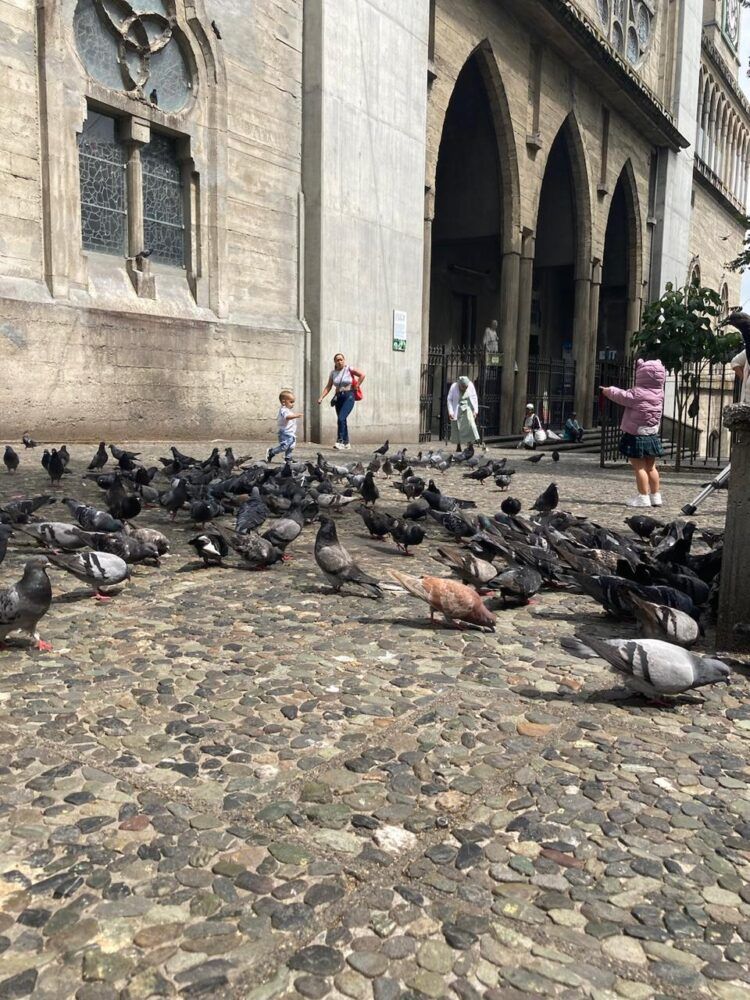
(742, 261)
(682, 330)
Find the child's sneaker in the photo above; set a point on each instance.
(269, 456)
(655, 499)
(642, 500)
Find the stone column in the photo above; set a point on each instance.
(584, 350)
(429, 216)
(136, 133)
(523, 327)
(734, 596)
(508, 333)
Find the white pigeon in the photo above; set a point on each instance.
(97, 569)
(651, 666)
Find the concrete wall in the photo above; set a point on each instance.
(364, 149)
(715, 237)
(82, 353)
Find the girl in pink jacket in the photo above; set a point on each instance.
(640, 424)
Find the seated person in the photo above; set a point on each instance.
(572, 430)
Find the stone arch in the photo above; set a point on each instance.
(486, 62)
(622, 264)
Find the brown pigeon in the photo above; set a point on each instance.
(455, 601)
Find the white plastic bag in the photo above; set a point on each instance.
(551, 436)
(528, 441)
(540, 436)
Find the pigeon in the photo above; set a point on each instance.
(535, 458)
(56, 534)
(519, 582)
(337, 564)
(100, 458)
(468, 566)
(91, 519)
(547, 501)
(175, 498)
(651, 666)
(10, 459)
(658, 621)
(117, 453)
(387, 468)
(383, 449)
(406, 535)
(454, 523)
(202, 511)
(122, 505)
(675, 547)
(25, 603)
(417, 509)
(555, 456)
(211, 547)
(215, 29)
(55, 466)
(285, 530)
(480, 474)
(117, 543)
(251, 514)
(97, 569)
(377, 522)
(643, 525)
(455, 601)
(64, 455)
(369, 490)
(19, 511)
(503, 481)
(28, 440)
(510, 506)
(149, 536)
(465, 455)
(256, 552)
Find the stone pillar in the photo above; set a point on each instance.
(508, 332)
(429, 215)
(525, 287)
(584, 350)
(734, 596)
(136, 133)
(596, 286)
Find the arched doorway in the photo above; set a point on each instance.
(618, 316)
(553, 288)
(468, 222)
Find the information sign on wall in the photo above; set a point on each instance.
(399, 330)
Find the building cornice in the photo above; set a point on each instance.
(727, 77)
(580, 27)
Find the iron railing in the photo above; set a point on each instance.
(551, 387)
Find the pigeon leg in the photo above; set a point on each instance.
(102, 598)
(44, 647)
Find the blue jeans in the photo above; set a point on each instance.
(344, 404)
(286, 444)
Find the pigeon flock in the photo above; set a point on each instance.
(662, 576)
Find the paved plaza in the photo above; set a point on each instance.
(234, 784)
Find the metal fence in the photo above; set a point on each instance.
(443, 367)
(551, 387)
(695, 437)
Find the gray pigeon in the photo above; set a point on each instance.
(25, 603)
(651, 666)
(97, 569)
(149, 536)
(91, 519)
(658, 621)
(56, 534)
(256, 552)
(337, 565)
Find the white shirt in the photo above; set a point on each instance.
(288, 426)
(740, 361)
(341, 379)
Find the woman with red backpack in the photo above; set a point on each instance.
(346, 382)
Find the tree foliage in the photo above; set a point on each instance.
(682, 330)
(742, 261)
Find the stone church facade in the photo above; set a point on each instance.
(202, 201)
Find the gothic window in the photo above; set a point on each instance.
(163, 229)
(628, 25)
(103, 198)
(732, 21)
(131, 45)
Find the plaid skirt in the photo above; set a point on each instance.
(641, 446)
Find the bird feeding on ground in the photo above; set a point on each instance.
(97, 569)
(336, 563)
(456, 602)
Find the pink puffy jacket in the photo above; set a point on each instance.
(643, 403)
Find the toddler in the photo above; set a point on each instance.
(287, 424)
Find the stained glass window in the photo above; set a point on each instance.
(131, 45)
(103, 200)
(628, 25)
(732, 20)
(163, 225)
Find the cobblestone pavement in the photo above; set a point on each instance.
(236, 784)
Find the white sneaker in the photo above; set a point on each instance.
(642, 500)
(338, 446)
(346, 447)
(655, 499)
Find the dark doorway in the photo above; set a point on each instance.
(553, 296)
(466, 231)
(612, 335)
